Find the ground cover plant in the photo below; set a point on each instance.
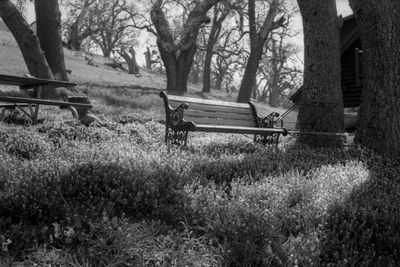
(113, 194)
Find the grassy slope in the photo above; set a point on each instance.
(105, 77)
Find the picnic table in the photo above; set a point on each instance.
(33, 104)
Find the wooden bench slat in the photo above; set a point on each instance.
(41, 101)
(223, 109)
(31, 82)
(211, 114)
(189, 100)
(220, 121)
(235, 129)
(13, 106)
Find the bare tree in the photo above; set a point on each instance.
(278, 73)
(80, 23)
(230, 56)
(26, 39)
(48, 28)
(379, 123)
(322, 83)
(129, 55)
(177, 52)
(257, 42)
(221, 11)
(112, 25)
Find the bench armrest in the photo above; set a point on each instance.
(268, 121)
(176, 115)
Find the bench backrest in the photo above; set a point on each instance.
(214, 112)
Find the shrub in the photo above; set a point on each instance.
(362, 231)
(78, 183)
(23, 143)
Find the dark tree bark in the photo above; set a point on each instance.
(212, 39)
(48, 22)
(321, 71)
(379, 114)
(178, 56)
(275, 71)
(130, 59)
(147, 56)
(257, 41)
(26, 39)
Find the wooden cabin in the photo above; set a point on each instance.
(351, 65)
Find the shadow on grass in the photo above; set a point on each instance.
(364, 230)
(226, 162)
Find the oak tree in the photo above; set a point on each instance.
(177, 52)
(26, 40)
(258, 37)
(48, 28)
(80, 23)
(322, 83)
(379, 114)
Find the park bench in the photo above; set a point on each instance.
(30, 106)
(185, 114)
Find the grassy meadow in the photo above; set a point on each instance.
(113, 194)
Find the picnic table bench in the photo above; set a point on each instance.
(30, 106)
(184, 114)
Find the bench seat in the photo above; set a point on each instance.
(185, 114)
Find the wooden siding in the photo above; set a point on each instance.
(351, 85)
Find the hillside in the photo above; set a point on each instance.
(99, 78)
(12, 63)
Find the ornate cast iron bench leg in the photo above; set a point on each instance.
(267, 139)
(176, 137)
(177, 128)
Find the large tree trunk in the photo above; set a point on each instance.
(249, 77)
(74, 41)
(48, 21)
(26, 39)
(322, 81)
(130, 59)
(178, 57)
(212, 39)
(177, 68)
(379, 114)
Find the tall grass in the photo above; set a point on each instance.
(116, 195)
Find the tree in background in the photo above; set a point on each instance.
(177, 52)
(322, 83)
(379, 122)
(113, 25)
(278, 75)
(220, 12)
(257, 42)
(80, 24)
(129, 55)
(48, 28)
(26, 39)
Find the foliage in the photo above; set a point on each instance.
(115, 195)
